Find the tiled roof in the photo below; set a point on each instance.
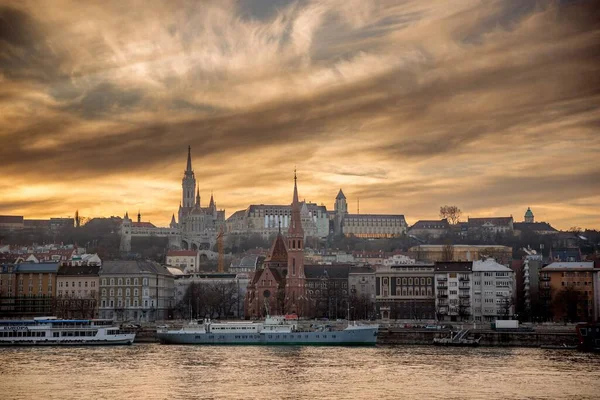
(37, 268)
(143, 225)
(489, 265)
(76, 270)
(339, 271)
(431, 224)
(371, 216)
(361, 270)
(533, 226)
(132, 267)
(570, 265)
(497, 221)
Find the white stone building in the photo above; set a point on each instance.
(493, 290)
(453, 290)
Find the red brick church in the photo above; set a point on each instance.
(281, 282)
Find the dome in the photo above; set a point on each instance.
(528, 213)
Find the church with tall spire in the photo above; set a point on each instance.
(198, 226)
(193, 227)
(280, 286)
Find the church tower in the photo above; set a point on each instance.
(188, 183)
(295, 289)
(341, 209)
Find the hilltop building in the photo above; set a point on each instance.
(365, 225)
(196, 227)
(529, 225)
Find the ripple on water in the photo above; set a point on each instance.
(152, 371)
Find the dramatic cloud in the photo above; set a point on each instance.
(407, 105)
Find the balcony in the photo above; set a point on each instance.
(544, 278)
(442, 279)
(442, 286)
(464, 295)
(463, 279)
(442, 296)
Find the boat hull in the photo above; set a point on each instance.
(354, 337)
(127, 341)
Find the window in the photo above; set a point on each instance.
(86, 284)
(120, 281)
(112, 281)
(136, 281)
(128, 292)
(127, 281)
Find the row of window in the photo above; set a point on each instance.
(127, 292)
(66, 284)
(22, 334)
(111, 303)
(409, 281)
(119, 281)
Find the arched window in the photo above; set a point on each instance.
(119, 292)
(103, 281)
(127, 281)
(112, 281)
(136, 281)
(120, 281)
(128, 292)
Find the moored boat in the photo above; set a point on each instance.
(274, 330)
(51, 331)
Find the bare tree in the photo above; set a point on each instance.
(507, 302)
(448, 252)
(451, 213)
(566, 304)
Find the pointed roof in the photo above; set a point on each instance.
(340, 195)
(212, 201)
(173, 219)
(529, 213)
(295, 229)
(126, 215)
(189, 160)
(278, 252)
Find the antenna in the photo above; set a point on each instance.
(358, 205)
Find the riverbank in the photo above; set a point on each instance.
(425, 337)
(488, 337)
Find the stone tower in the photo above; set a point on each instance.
(341, 209)
(188, 183)
(126, 234)
(529, 215)
(295, 289)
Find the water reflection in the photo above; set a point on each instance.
(160, 372)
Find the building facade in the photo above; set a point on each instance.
(569, 290)
(459, 252)
(365, 225)
(187, 260)
(429, 228)
(136, 291)
(27, 290)
(77, 289)
(453, 290)
(265, 220)
(493, 291)
(405, 291)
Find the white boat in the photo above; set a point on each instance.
(53, 331)
(274, 330)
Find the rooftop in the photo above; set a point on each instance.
(453, 266)
(560, 265)
(490, 265)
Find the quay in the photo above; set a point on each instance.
(541, 336)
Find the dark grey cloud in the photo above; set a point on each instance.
(105, 100)
(24, 49)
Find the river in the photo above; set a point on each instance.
(152, 371)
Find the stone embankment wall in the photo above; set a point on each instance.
(488, 337)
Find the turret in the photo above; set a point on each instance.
(198, 197)
(139, 216)
(529, 215)
(173, 223)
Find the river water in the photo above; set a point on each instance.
(152, 371)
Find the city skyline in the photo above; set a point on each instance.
(407, 106)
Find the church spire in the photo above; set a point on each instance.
(295, 229)
(198, 197)
(212, 201)
(189, 160)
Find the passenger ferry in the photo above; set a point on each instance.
(589, 336)
(54, 331)
(274, 330)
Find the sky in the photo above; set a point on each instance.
(493, 106)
